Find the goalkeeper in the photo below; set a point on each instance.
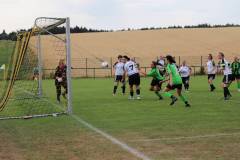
(61, 79)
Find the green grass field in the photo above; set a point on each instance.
(209, 130)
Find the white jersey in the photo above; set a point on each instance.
(131, 68)
(211, 67)
(185, 71)
(160, 64)
(226, 66)
(119, 68)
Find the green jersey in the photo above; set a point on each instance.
(235, 68)
(176, 78)
(155, 74)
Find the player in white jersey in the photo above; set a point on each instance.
(131, 70)
(161, 65)
(211, 70)
(225, 66)
(185, 72)
(119, 71)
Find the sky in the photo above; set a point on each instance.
(119, 14)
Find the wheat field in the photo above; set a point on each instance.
(190, 44)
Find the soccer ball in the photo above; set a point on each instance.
(59, 79)
(104, 64)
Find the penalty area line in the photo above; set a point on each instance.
(109, 137)
(114, 140)
(188, 138)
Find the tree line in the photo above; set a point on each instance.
(205, 25)
(60, 30)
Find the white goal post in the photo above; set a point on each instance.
(67, 41)
(28, 90)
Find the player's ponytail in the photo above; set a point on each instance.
(154, 63)
(126, 57)
(222, 54)
(120, 56)
(170, 59)
(211, 56)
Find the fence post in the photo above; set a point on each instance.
(111, 66)
(179, 61)
(201, 61)
(86, 63)
(194, 69)
(94, 73)
(145, 68)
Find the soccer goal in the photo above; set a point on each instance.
(35, 74)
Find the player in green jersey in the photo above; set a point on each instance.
(236, 71)
(175, 82)
(157, 80)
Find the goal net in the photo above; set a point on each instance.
(35, 71)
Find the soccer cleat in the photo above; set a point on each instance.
(160, 98)
(187, 104)
(226, 98)
(131, 98)
(174, 99)
(138, 98)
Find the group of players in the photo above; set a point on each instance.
(173, 75)
(162, 72)
(231, 72)
(126, 67)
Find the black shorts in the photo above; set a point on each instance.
(178, 86)
(227, 79)
(211, 76)
(156, 82)
(236, 77)
(134, 79)
(185, 79)
(118, 78)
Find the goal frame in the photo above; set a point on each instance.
(67, 42)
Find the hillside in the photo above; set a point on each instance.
(187, 42)
(190, 44)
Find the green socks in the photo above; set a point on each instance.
(183, 99)
(167, 94)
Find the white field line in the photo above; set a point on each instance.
(126, 147)
(188, 138)
(112, 139)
